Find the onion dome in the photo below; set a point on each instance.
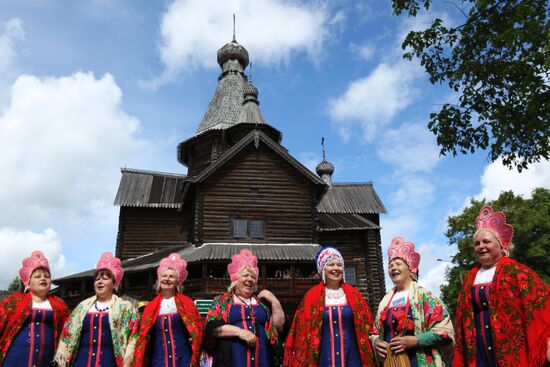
(233, 51)
(250, 112)
(324, 168)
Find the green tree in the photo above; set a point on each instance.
(15, 285)
(498, 61)
(531, 239)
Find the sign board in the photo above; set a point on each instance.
(203, 305)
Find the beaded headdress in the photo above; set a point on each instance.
(174, 261)
(326, 255)
(496, 223)
(240, 260)
(109, 262)
(404, 250)
(36, 260)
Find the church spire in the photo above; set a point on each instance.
(325, 169)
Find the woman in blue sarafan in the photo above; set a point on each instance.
(31, 321)
(240, 327)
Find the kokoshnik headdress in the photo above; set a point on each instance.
(496, 223)
(109, 262)
(326, 255)
(174, 261)
(404, 250)
(240, 260)
(36, 260)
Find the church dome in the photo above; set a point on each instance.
(233, 51)
(325, 168)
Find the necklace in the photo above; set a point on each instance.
(335, 293)
(246, 304)
(100, 309)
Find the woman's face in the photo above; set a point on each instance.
(104, 286)
(246, 283)
(487, 248)
(169, 280)
(40, 282)
(399, 271)
(334, 271)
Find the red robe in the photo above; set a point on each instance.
(188, 313)
(15, 309)
(519, 315)
(303, 343)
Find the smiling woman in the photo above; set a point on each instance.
(102, 329)
(171, 327)
(30, 321)
(242, 326)
(412, 327)
(332, 323)
(503, 313)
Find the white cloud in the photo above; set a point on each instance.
(365, 51)
(63, 141)
(17, 245)
(497, 178)
(271, 31)
(12, 32)
(373, 101)
(409, 148)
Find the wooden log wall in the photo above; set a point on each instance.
(144, 230)
(283, 198)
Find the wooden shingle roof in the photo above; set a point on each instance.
(344, 222)
(356, 198)
(140, 188)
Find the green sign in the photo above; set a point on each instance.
(203, 305)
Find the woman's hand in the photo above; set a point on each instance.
(401, 343)
(381, 349)
(548, 350)
(276, 308)
(248, 337)
(268, 296)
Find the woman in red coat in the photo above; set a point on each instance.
(503, 313)
(170, 333)
(30, 321)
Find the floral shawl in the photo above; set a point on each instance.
(218, 315)
(188, 313)
(519, 313)
(429, 315)
(303, 343)
(123, 323)
(15, 309)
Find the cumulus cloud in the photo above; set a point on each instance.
(271, 31)
(373, 101)
(12, 32)
(497, 178)
(63, 141)
(17, 245)
(409, 148)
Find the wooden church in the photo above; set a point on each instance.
(242, 190)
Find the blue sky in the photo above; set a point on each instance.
(89, 87)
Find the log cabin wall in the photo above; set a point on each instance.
(200, 155)
(258, 184)
(144, 230)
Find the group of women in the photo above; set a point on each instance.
(503, 317)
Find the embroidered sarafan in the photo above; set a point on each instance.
(302, 347)
(519, 309)
(191, 319)
(16, 308)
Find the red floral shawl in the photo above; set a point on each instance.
(303, 343)
(519, 314)
(188, 313)
(15, 309)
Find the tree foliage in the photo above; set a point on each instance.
(498, 61)
(531, 239)
(15, 285)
